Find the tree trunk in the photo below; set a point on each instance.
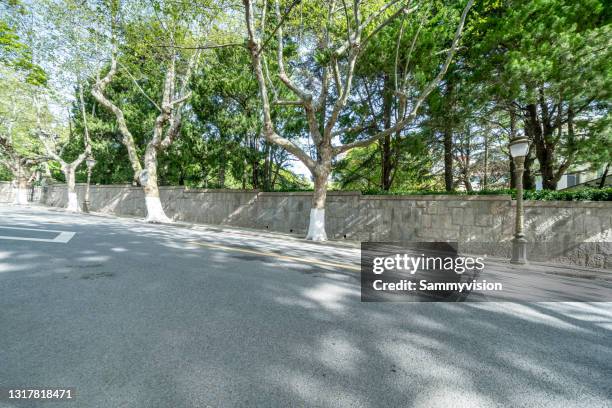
(544, 147)
(255, 174)
(316, 227)
(604, 176)
(486, 161)
(541, 131)
(21, 191)
(221, 175)
(222, 163)
(512, 113)
(467, 183)
(73, 201)
(148, 180)
(385, 174)
(275, 176)
(548, 175)
(267, 169)
(386, 163)
(244, 174)
(532, 129)
(448, 158)
(528, 176)
(448, 135)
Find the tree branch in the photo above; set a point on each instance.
(268, 128)
(428, 89)
(97, 91)
(139, 87)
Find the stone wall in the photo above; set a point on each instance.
(562, 231)
(7, 192)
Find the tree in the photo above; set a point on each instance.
(339, 43)
(15, 53)
(20, 151)
(547, 63)
(54, 148)
(226, 102)
(177, 54)
(361, 168)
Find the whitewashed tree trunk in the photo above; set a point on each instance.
(316, 226)
(21, 191)
(73, 201)
(148, 180)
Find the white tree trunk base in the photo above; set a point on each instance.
(21, 196)
(155, 212)
(73, 202)
(316, 228)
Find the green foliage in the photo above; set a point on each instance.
(554, 54)
(587, 194)
(361, 168)
(15, 53)
(5, 174)
(227, 106)
(513, 53)
(17, 113)
(439, 192)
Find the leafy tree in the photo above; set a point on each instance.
(549, 62)
(20, 151)
(14, 51)
(338, 45)
(227, 104)
(161, 45)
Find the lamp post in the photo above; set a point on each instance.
(90, 161)
(519, 147)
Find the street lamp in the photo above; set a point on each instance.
(519, 147)
(90, 161)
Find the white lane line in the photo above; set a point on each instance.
(26, 229)
(63, 237)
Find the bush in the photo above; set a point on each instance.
(587, 194)
(437, 192)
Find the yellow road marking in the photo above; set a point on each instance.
(278, 256)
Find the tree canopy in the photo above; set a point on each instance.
(535, 68)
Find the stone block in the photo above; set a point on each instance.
(457, 216)
(483, 220)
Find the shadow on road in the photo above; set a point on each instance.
(131, 315)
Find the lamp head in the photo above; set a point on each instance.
(519, 147)
(90, 162)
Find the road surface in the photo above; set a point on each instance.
(139, 315)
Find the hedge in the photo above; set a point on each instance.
(587, 194)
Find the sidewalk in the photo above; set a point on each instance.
(344, 251)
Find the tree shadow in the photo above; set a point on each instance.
(177, 324)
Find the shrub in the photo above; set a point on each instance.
(587, 194)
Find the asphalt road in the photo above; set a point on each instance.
(137, 315)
